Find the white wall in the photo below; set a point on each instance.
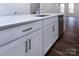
(26, 8)
(76, 10)
(67, 10)
(49, 7)
(10, 8)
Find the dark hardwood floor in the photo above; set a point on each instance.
(68, 44)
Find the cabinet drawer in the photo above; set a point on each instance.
(16, 32)
(50, 20)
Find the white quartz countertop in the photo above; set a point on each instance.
(9, 21)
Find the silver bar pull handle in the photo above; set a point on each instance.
(29, 44)
(27, 29)
(26, 46)
(53, 28)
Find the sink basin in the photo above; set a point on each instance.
(41, 15)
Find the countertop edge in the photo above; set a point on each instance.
(22, 23)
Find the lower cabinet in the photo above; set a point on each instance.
(29, 45)
(34, 47)
(47, 38)
(35, 43)
(55, 32)
(50, 35)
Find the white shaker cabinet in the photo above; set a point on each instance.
(55, 31)
(50, 35)
(34, 43)
(29, 45)
(33, 39)
(28, 42)
(47, 38)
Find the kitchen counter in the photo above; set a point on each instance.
(28, 35)
(16, 20)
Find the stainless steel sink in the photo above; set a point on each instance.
(41, 15)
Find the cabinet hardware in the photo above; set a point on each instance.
(27, 29)
(53, 28)
(29, 44)
(26, 46)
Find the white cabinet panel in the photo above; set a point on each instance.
(55, 32)
(50, 35)
(35, 43)
(29, 45)
(47, 39)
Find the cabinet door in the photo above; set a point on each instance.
(15, 48)
(50, 33)
(35, 43)
(55, 31)
(48, 37)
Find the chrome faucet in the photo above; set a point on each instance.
(38, 11)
